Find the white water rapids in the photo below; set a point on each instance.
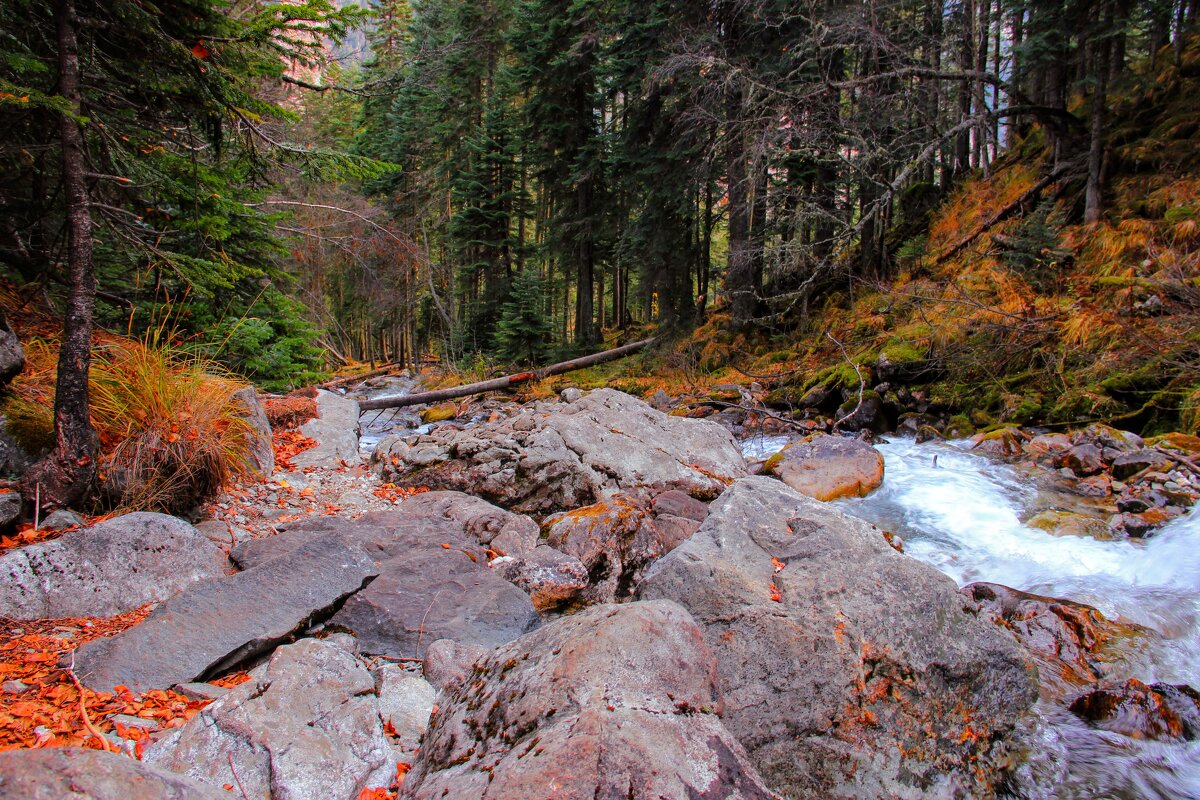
(963, 515)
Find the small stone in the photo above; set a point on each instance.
(14, 687)
(134, 722)
(10, 507)
(61, 520)
(201, 691)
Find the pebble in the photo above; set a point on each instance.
(15, 687)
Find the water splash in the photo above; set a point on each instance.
(961, 513)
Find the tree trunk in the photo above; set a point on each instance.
(1093, 193)
(68, 472)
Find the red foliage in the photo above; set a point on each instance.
(48, 713)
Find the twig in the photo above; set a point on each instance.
(105, 744)
(1174, 455)
(236, 779)
(421, 627)
(749, 409)
(862, 382)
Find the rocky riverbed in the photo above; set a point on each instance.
(589, 594)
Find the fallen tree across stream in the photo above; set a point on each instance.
(505, 382)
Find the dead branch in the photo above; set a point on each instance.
(505, 382)
(862, 382)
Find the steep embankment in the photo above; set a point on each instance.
(1005, 307)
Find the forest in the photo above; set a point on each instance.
(745, 399)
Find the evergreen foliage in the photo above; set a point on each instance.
(523, 333)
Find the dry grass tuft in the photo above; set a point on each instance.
(170, 431)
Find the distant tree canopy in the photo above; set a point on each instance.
(641, 154)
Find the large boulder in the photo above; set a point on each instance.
(849, 670)
(84, 774)
(218, 623)
(431, 554)
(262, 447)
(335, 430)
(558, 456)
(829, 467)
(616, 701)
(108, 569)
(308, 726)
(435, 593)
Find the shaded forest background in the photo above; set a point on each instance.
(994, 199)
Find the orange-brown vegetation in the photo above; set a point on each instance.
(54, 711)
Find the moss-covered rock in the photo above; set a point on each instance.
(439, 413)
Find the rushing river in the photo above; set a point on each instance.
(961, 513)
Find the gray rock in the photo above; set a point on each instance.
(221, 622)
(552, 579)
(108, 569)
(10, 507)
(14, 460)
(336, 431)
(433, 594)
(867, 415)
(61, 519)
(12, 355)
(308, 727)
(503, 531)
(262, 446)
(221, 533)
(406, 701)
(447, 662)
(679, 504)
(77, 772)
(616, 701)
(849, 670)
(196, 690)
(558, 456)
(14, 687)
(428, 520)
(134, 722)
(571, 395)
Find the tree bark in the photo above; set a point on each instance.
(68, 472)
(506, 382)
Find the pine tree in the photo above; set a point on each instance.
(523, 332)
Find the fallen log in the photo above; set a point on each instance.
(375, 373)
(505, 382)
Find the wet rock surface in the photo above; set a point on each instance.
(848, 669)
(1063, 637)
(75, 772)
(1158, 711)
(307, 725)
(563, 455)
(110, 568)
(616, 701)
(829, 467)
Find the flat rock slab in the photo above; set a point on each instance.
(108, 569)
(849, 670)
(223, 621)
(432, 594)
(335, 430)
(307, 727)
(430, 519)
(84, 774)
(563, 455)
(829, 467)
(613, 702)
